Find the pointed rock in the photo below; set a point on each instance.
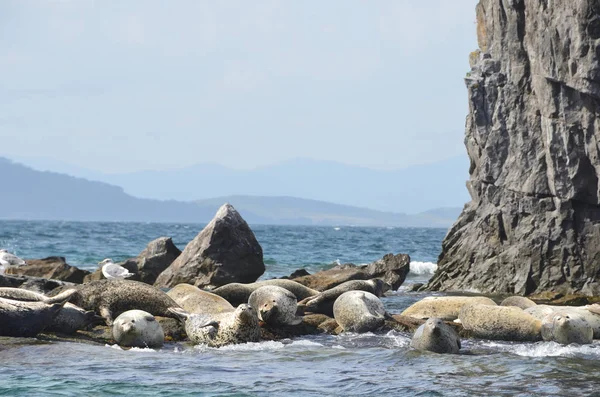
(225, 251)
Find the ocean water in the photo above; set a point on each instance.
(350, 364)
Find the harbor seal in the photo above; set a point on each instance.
(359, 311)
(323, 302)
(588, 313)
(112, 297)
(565, 329)
(26, 319)
(194, 300)
(137, 328)
(275, 306)
(237, 293)
(507, 323)
(518, 301)
(20, 294)
(239, 326)
(71, 318)
(443, 307)
(436, 336)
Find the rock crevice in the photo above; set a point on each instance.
(532, 134)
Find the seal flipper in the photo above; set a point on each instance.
(107, 315)
(179, 313)
(63, 297)
(296, 320)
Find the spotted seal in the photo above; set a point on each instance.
(565, 329)
(112, 297)
(71, 318)
(26, 319)
(275, 306)
(443, 307)
(194, 300)
(237, 293)
(589, 313)
(239, 326)
(507, 323)
(436, 336)
(518, 301)
(21, 294)
(323, 302)
(359, 311)
(137, 328)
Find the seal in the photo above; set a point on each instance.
(239, 326)
(443, 307)
(112, 297)
(507, 323)
(237, 293)
(194, 300)
(589, 313)
(71, 318)
(359, 311)
(20, 294)
(518, 301)
(565, 329)
(436, 336)
(26, 319)
(323, 302)
(275, 306)
(137, 328)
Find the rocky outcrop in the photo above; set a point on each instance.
(225, 251)
(154, 259)
(532, 135)
(53, 267)
(391, 268)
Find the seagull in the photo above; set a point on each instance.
(112, 270)
(7, 259)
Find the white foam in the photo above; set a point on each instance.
(421, 268)
(546, 349)
(133, 349)
(336, 228)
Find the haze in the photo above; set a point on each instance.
(118, 86)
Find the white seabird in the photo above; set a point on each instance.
(7, 259)
(112, 270)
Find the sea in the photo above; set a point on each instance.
(371, 364)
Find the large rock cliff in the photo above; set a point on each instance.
(532, 135)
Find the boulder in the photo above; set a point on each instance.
(391, 268)
(53, 267)
(225, 251)
(532, 133)
(155, 258)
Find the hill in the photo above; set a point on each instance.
(31, 194)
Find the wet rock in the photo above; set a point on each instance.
(532, 133)
(391, 268)
(53, 267)
(226, 251)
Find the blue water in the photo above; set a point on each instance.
(368, 364)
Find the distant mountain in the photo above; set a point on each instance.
(31, 194)
(410, 190)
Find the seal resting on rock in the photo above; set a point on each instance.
(20, 294)
(110, 298)
(71, 318)
(565, 329)
(518, 301)
(137, 328)
(323, 302)
(359, 311)
(588, 313)
(275, 306)
(237, 293)
(443, 307)
(26, 319)
(239, 326)
(194, 300)
(436, 336)
(507, 323)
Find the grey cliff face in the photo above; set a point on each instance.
(532, 135)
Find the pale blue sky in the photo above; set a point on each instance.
(119, 86)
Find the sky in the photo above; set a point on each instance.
(123, 86)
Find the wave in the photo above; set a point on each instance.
(421, 268)
(546, 349)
